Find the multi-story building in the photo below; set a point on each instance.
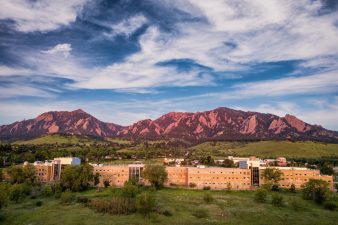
(49, 171)
(247, 176)
(298, 177)
(117, 175)
(219, 178)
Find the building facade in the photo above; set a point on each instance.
(298, 177)
(246, 177)
(49, 171)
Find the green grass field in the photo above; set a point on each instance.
(235, 207)
(306, 149)
(60, 139)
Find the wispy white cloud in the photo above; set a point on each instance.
(236, 35)
(15, 90)
(318, 83)
(128, 26)
(45, 15)
(63, 49)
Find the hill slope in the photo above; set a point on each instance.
(74, 122)
(218, 124)
(299, 149)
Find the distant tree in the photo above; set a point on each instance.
(228, 163)
(336, 186)
(272, 176)
(293, 188)
(208, 161)
(106, 183)
(326, 169)
(97, 180)
(316, 190)
(192, 185)
(18, 192)
(229, 187)
(21, 174)
(155, 174)
(77, 178)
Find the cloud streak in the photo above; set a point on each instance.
(43, 16)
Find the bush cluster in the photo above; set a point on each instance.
(208, 198)
(261, 195)
(200, 213)
(277, 200)
(114, 206)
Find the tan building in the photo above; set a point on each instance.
(177, 176)
(298, 177)
(219, 178)
(49, 171)
(117, 175)
(246, 177)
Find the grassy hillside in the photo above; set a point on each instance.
(234, 207)
(268, 149)
(60, 139)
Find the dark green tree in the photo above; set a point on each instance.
(77, 178)
(316, 190)
(272, 176)
(155, 174)
(22, 174)
(326, 169)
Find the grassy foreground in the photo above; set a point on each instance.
(299, 149)
(235, 207)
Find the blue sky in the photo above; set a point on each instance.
(127, 60)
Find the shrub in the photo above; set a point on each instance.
(293, 188)
(3, 198)
(166, 212)
(163, 210)
(229, 187)
(206, 188)
(58, 194)
(67, 197)
(114, 206)
(17, 193)
(82, 199)
(200, 213)
(296, 205)
(275, 187)
(47, 191)
(192, 185)
(316, 190)
(330, 206)
(106, 183)
(130, 190)
(277, 200)
(38, 203)
(261, 195)
(145, 203)
(208, 198)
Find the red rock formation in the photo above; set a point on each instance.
(221, 124)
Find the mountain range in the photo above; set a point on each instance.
(218, 124)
